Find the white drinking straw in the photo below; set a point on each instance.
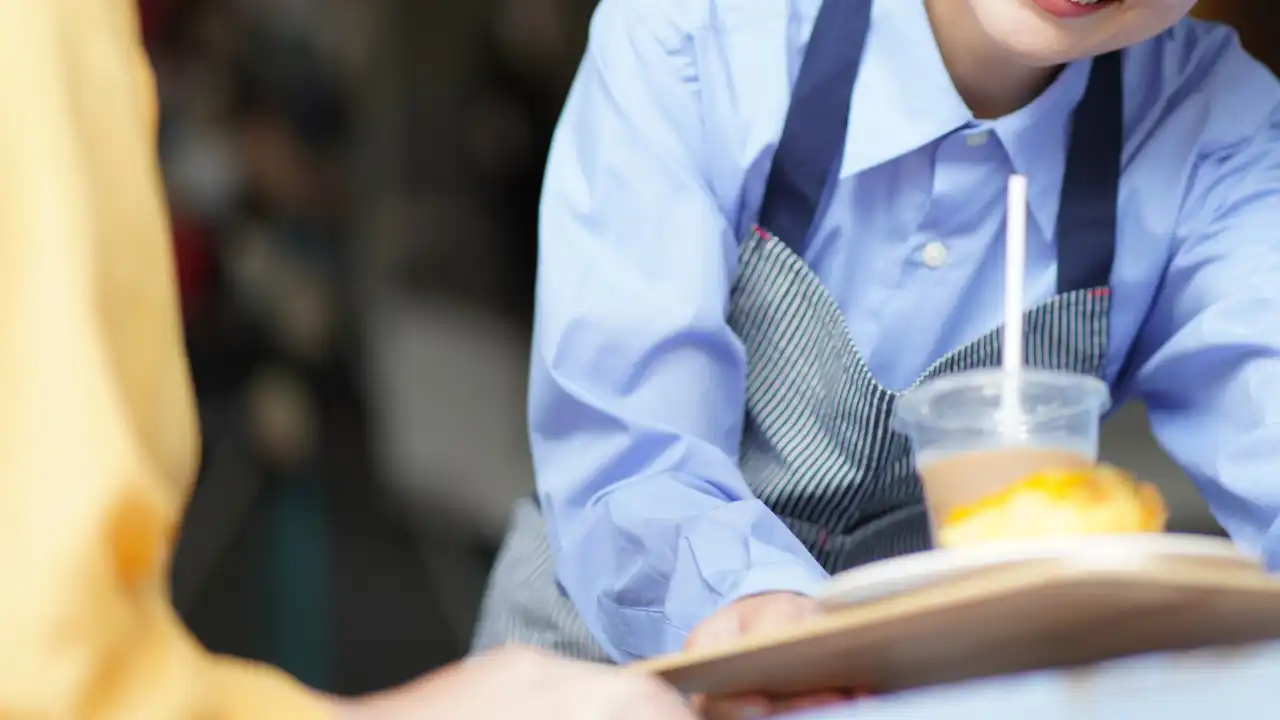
(1015, 264)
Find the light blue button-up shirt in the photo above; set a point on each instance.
(656, 174)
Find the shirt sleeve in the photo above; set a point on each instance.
(98, 433)
(1209, 354)
(637, 383)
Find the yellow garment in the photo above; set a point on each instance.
(1101, 500)
(98, 434)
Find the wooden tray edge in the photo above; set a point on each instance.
(999, 582)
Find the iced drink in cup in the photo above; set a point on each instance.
(975, 433)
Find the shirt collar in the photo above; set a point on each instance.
(905, 99)
(1037, 137)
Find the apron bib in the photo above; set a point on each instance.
(818, 448)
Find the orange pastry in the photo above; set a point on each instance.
(1101, 500)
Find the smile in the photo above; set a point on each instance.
(1073, 8)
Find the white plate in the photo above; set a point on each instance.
(905, 573)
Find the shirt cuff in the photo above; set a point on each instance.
(801, 578)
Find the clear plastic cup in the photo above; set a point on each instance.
(967, 444)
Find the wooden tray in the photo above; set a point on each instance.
(1008, 620)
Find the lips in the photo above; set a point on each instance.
(1073, 8)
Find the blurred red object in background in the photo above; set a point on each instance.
(154, 14)
(194, 258)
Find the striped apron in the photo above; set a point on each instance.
(818, 448)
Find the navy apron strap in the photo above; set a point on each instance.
(812, 142)
(1086, 225)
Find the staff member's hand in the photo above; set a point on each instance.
(770, 612)
(523, 683)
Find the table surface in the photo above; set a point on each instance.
(1239, 682)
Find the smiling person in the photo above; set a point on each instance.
(763, 220)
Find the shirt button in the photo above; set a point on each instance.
(934, 255)
(977, 139)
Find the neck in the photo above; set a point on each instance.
(989, 79)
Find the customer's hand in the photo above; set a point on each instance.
(758, 614)
(518, 682)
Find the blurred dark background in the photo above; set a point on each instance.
(354, 187)
(354, 190)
